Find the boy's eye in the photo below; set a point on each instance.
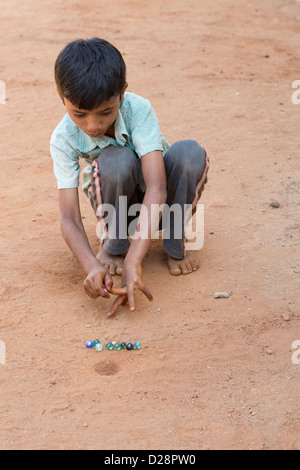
(78, 115)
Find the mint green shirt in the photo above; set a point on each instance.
(136, 128)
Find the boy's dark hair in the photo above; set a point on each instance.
(89, 72)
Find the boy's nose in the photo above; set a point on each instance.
(93, 127)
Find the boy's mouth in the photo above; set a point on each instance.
(94, 136)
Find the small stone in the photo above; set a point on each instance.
(286, 317)
(221, 295)
(274, 203)
(270, 352)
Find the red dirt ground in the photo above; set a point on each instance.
(212, 373)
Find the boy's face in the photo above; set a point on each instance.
(99, 121)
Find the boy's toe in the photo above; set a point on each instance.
(175, 271)
(111, 269)
(119, 270)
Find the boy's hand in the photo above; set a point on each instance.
(97, 280)
(131, 280)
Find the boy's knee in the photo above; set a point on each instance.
(188, 156)
(117, 163)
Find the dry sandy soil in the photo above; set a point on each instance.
(212, 373)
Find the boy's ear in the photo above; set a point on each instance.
(60, 95)
(123, 92)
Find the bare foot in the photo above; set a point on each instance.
(114, 263)
(186, 265)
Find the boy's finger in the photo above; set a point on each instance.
(131, 299)
(145, 291)
(121, 300)
(89, 290)
(103, 292)
(99, 288)
(108, 282)
(118, 290)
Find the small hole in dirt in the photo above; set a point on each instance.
(106, 368)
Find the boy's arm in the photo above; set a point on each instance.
(76, 238)
(154, 174)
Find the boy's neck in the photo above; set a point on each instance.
(111, 131)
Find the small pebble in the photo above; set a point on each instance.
(274, 203)
(221, 295)
(286, 317)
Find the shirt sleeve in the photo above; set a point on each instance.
(145, 132)
(65, 162)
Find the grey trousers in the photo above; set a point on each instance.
(117, 172)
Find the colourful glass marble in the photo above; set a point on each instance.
(89, 344)
(117, 347)
(129, 346)
(109, 346)
(123, 345)
(98, 347)
(96, 342)
(137, 345)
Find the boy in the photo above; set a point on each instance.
(118, 134)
